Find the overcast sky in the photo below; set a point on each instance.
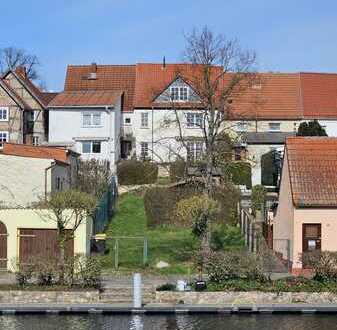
(287, 35)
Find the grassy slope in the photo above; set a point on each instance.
(174, 246)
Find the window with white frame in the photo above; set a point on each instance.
(194, 120)
(144, 150)
(91, 147)
(4, 113)
(91, 119)
(194, 150)
(3, 138)
(241, 126)
(274, 127)
(179, 93)
(144, 120)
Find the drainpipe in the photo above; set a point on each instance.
(46, 180)
(152, 133)
(110, 133)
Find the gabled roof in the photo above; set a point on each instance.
(89, 98)
(24, 150)
(312, 164)
(108, 77)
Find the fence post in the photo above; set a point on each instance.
(250, 237)
(145, 251)
(247, 229)
(116, 253)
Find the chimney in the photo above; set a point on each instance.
(93, 71)
(21, 71)
(164, 63)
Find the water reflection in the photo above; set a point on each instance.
(170, 322)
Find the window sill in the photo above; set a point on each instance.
(274, 131)
(100, 126)
(144, 127)
(4, 120)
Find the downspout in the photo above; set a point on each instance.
(46, 180)
(152, 142)
(110, 133)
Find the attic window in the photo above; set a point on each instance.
(179, 93)
(92, 76)
(257, 86)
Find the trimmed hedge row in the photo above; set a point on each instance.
(132, 172)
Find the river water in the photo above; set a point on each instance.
(169, 322)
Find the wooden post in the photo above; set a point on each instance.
(250, 237)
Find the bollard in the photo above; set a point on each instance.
(137, 290)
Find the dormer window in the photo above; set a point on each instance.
(179, 93)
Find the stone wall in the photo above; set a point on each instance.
(253, 297)
(62, 297)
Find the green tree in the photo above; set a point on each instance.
(311, 128)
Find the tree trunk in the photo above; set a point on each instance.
(61, 241)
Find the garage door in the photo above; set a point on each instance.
(41, 243)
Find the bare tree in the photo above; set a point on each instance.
(68, 209)
(11, 58)
(221, 71)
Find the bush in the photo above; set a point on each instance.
(177, 171)
(89, 272)
(323, 264)
(133, 172)
(226, 237)
(224, 266)
(160, 203)
(259, 196)
(240, 173)
(166, 287)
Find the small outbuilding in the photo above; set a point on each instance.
(306, 217)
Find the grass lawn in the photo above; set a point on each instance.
(174, 246)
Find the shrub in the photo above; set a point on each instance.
(177, 170)
(132, 172)
(166, 287)
(240, 173)
(226, 237)
(88, 270)
(224, 266)
(160, 203)
(323, 264)
(259, 195)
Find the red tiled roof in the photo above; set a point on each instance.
(85, 98)
(280, 96)
(312, 163)
(108, 77)
(24, 150)
(319, 92)
(153, 79)
(48, 97)
(276, 97)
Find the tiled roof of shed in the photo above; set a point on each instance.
(24, 150)
(312, 163)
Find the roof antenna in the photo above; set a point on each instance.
(164, 62)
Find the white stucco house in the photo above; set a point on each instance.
(87, 121)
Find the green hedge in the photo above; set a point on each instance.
(131, 172)
(240, 173)
(160, 203)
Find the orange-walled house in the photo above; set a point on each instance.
(306, 218)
